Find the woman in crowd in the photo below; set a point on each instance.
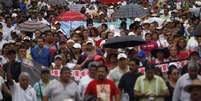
(182, 53)
(173, 76)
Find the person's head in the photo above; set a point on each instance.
(8, 21)
(62, 45)
(84, 47)
(155, 36)
(37, 34)
(122, 60)
(49, 37)
(194, 89)
(158, 71)
(85, 33)
(24, 80)
(148, 37)
(45, 74)
(171, 40)
(101, 72)
(93, 32)
(70, 43)
(11, 55)
(58, 60)
(22, 52)
(104, 27)
(193, 69)
(110, 35)
(194, 54)
(5, 49)
(41, 42)
(76, 37)
(77, 48)
(152, 27)
(173, 51)
(149, 72)
(166, 12)
(181, 43)
(92, 68)
(112, 57)
(65, 75)
(134, 63)
(90, 45)
(160, 55)
(173, 72)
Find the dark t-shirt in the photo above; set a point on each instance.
(127, 83)
(171, 90)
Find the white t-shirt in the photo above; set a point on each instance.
(84, 81)
(19, 94)
(1, 82)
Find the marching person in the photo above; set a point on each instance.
(21, 91)
(64, 89)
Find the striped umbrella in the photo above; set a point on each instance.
(31, 26)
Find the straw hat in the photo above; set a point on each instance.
(195, 84)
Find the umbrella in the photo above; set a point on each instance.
(107, 2)
(155, 19)
(123, 41)
(76, 7)
(131, 10)
(71, 16)
(197, 31)
(31, 26)
(57, 2)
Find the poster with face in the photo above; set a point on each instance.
(103, 92)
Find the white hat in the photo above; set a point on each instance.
(131, 33)
(58, 57)
(14, 15)
(70, 40)
(117, 34)
(77, 45)
(146, 22)
(137, 19)
(90, 42)
(26, 38)
(122, 55)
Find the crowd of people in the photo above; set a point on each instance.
(39, 66)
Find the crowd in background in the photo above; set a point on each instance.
(37, 66)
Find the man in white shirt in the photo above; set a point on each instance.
(122, 68)
(64, 89)
(7, 29)
(84, 81)
(22, 91)
(2, 41)
(179, 93)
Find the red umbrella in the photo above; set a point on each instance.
(71, 16)
(106, 2)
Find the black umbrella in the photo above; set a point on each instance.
(123, 41)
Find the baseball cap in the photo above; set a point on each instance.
(77, 45)
(58, 57)
(90, 42)
(26, 38)
(122, 55)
